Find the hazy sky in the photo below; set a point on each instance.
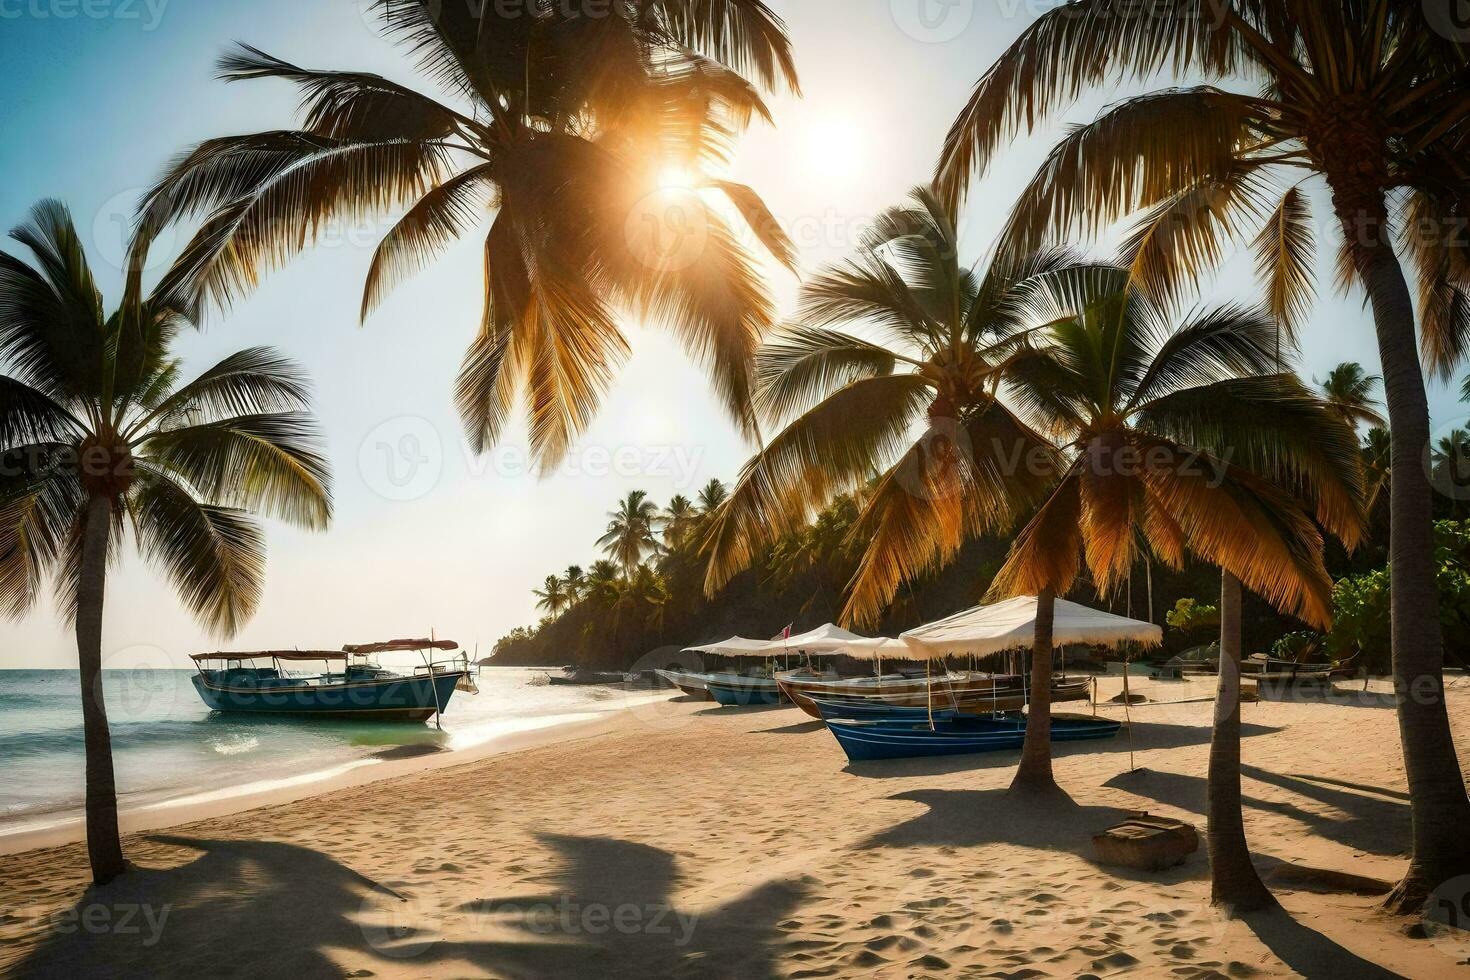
(101, 93)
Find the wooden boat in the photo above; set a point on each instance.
(690, 683)
(858, 710)
(966, 691)
(738, 689)
(360, 689)
(1261, 667)
(581, 677)
(866, 741)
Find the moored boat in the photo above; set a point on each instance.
(359, 689)
(966, 691)
(693, 684)
(737, 689)
(867, 741)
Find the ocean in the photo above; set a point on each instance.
(169, 748)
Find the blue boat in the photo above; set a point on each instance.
(856, 710)
(866, 741)
(735, 689)
(360, 688)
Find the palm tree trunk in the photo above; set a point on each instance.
(1233, 879)
(104, 849)
(1034, 773)
(1441, 810)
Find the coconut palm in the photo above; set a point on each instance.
(1377, 466)
(603, 580)
(850, 407)
(559, 131)
(1363, 93)
(99, 435)
(679, 518)
(574, 580)
(1348, 390)
(631, 531)
(711, 496)
(1179, 437)
(553, 597)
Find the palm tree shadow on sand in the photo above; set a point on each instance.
(609, 911)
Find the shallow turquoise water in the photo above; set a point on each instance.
(167, 744)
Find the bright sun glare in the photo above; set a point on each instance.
(835, 148)
(673, 177)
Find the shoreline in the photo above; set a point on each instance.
(203, 804)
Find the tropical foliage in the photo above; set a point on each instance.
(101, 436)
(556, 131)
(912, 417)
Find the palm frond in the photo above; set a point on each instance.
(1047, 552)
(254, 381)
(799, 366)
(269, 463)
(263, 230)
(1285, 249)
(851, 435)
(1136, 155)
(760, 220)
(1217, 344)
(435, 221)
(1068, 49)
(746, 35)
(214, 556)
(40, 498)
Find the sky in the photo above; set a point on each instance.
(101, 94)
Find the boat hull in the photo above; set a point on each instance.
(869, 741)
(740, 691)
(975, 694)
(694, 685)
(398, 698)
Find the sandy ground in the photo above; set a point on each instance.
(688, 840)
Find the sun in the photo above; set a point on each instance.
(676, 178)
(836, 148)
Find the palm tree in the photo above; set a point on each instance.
(1349, 391)
(553, 597)
(679, 517)
(98, 436)
(850, 407)
(1179, 437)
(1365, 94)
(712, 495)
(631, 531)
(603, 580)
(561, 126)
(574, 580)
(1449, 464)
(1377, 466)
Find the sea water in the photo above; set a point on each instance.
(168, 748)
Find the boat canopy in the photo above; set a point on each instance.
(1011, 625)
(274, 654)
(876, 648)
(394, 646)
(735, 646)
(827, 638)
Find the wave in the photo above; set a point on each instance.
(125, 735)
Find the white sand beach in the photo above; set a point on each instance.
(684, 839)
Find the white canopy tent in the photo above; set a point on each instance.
(827, 638)
(735, 646)
(876, 648)
(1011, 625)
